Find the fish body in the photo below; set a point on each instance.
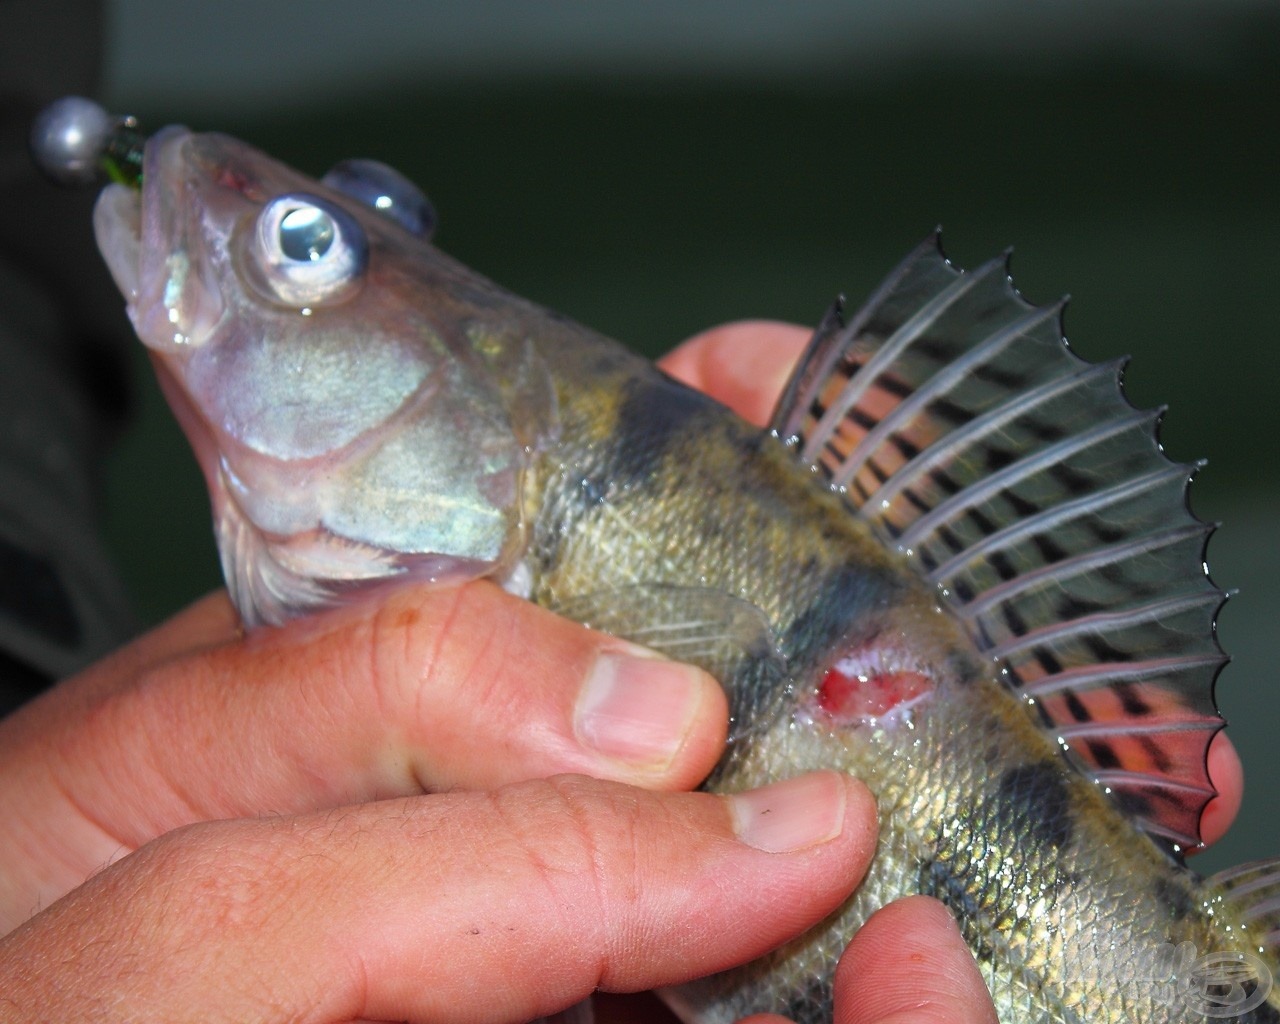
(958, 566)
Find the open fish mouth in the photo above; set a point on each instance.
(123, 215)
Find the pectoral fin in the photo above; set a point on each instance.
(700, 626)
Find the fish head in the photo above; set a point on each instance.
(334, 372)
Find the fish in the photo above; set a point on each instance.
(957, 564)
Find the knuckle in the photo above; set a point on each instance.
(585, 842)
(225, 875)
(439, 641)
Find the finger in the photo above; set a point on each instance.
(909, 965)
(426, 688)
(1227, 775)
(513, 904)
(745, 365)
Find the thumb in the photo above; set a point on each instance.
(909, 965)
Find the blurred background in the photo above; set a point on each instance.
(653, 169)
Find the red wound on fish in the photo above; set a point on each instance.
(233, 179)
(865, 686)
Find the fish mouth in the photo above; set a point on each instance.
(118, 217)
(153, 242)
(117, 223)
(137, 230)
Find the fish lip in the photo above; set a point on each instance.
(155, 243)
(117, 225)
(118, 217)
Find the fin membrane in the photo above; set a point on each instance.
(1254, 890)
(1016, 478)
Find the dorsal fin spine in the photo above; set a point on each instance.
(1180, 840)
(1262, 879)
(1077, 564)
(1055, 516)
(1116, 776)
(1254, 890)
(993, 420)
(1095, 729)
(999, 480)
(884, 356)
(1092, 623)
(828, 343)
(940, 385)
(823, 351)
(1155, 668)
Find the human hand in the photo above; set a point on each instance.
(194, 723)
(496, 906)
(424, 690)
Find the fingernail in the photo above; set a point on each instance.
(638, 708)
(793, 815)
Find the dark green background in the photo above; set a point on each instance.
(650, 209)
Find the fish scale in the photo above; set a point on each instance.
(958, 566)
(970, 866)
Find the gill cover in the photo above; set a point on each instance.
(324, 362)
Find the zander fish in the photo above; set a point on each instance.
(958, 565)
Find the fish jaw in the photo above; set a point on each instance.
(344, 441)
(152, 245)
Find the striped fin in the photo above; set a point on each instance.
(1019, 481)
(1254, 889)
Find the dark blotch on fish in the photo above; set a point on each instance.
(810, 1003)
(1035, 796)
(1174, 897)
(657, 415)
(965, 670)
(1264, 1014)
(939, 881)
(846, 593)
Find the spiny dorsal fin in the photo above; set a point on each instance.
(1254, 890)
(1018, 479)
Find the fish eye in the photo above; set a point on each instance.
(386, 191)
(311, 251)
(306, 234)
